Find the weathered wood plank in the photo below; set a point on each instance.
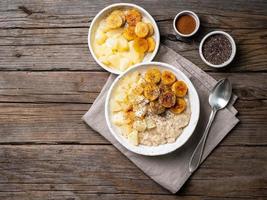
(83, 87)
(51, 57)
(73, 195)
(61, 123)
(36, 14)
(79, 87)
(92, 169)
(41, 123)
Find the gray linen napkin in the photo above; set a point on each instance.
(171, 170)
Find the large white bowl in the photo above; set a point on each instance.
(103, 13)
(165, 148)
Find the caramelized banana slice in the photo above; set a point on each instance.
(129, 33)
(141, 29)
(140, 45)
(164, 88)
(151, 29)
(151, 44)
(156, 108)
(168, 78)
(179, 88)
(167, 99)
(133, 17)
(151, 91)
(153, 75)
(121, 14)
(179, 107)
(114, 21)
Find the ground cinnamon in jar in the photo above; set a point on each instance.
(186, 24)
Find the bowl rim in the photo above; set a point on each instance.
(151, 19)
(229, 37)
(188, 12)
(194, 119)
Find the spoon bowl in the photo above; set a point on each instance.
(220, 94)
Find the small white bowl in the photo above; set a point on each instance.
(164, 148)
(103, 13)
(229, 37)
(186, 12)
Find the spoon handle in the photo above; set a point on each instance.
(197, 155)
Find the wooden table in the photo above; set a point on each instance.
(48, 80)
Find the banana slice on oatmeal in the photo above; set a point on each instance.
(153, 75)
(179, 88)
(167, 77)
(151, 91)
(133, 17)
(156, 108)
(167, 99)
(179, 107)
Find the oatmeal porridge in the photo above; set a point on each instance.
(150, 108)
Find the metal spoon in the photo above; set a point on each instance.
(218, 99)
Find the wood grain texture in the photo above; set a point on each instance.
(47, 57)
(72, 195)
(36, 14)
(94, 169)
(78, 87)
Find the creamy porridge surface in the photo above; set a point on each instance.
(168, 128)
